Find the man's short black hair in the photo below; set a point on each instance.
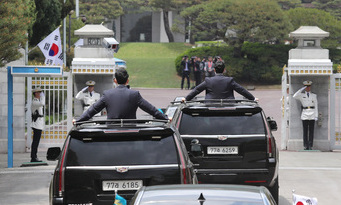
(219, 67)
(121, 76)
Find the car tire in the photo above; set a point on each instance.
(274, 190)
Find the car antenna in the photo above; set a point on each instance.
(201, 199)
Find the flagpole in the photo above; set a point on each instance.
(64, 40)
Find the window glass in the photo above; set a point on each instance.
(223, 123)
(122, 150)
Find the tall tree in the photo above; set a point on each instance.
(237, 21)
(48, 18)
(322, 19)
(168, 6)
(97, 11)
(16, 19)
(289, 4)
(331, 6)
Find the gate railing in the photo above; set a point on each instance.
(57, 110)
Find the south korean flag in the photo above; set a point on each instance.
(51, 47)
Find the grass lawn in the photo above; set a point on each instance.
(152, 64)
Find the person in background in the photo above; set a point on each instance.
(209, 67)
(197, 71)
(186, 70)
(38, 122)
(88, 96)
(309, 113)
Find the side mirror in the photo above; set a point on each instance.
(53, 153)
(272, 123)
(196, 148)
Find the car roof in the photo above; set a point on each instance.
(211, 193)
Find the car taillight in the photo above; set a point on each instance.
(178, 122)
(269, 147)
(183, 165)
(61, 171)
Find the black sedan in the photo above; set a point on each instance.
(203, 194)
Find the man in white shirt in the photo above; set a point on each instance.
(88, 96)
(38, 121)
(309, 113)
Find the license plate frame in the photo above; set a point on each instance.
(122, 185)
(222, 150)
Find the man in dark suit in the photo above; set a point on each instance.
(219, 86)
(186, 70)
(121, 102)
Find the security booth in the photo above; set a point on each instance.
(94, 60)
(307, 62)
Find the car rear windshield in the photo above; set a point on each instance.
(221, 124)
(122, 150)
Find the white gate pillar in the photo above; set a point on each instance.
(309, 62)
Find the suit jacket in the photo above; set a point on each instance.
(183, 66)
(219, 87)
(121, 103)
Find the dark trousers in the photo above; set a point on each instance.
(35, 142)
(185, 74)
(308, 133)
(197, 76)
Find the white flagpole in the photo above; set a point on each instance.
(64, 40)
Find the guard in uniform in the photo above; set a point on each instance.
(38, 122)
(309, 113)
(88, 96)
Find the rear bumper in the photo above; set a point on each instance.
(259, 177)
(57, 201)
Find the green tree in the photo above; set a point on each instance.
(237, 21)
(289, 4)
(171, 5)
(97, 11)
(205, 23)
(256, 21)
(322, 19)
(48, 19)
(16, 19)
(331, 6)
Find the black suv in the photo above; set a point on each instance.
(229, 141)
(100, 157)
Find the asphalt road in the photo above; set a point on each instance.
(314, 174)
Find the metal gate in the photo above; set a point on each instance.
(335, 111)
(57, 110)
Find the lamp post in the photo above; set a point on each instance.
(70, 13)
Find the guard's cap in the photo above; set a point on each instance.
(307, 83)
(90, 83)
(37, 89)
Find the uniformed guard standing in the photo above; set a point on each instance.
(309, 113)
(38, 122)
(88, 96)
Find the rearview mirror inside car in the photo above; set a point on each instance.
(53, 153)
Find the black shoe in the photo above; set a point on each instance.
(36, 160)
(306, 148)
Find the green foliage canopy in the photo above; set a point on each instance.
(48, 18)
(16, 19)
(315, 17)
(245, 20)
(96, 11)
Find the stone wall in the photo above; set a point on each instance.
(19, 141)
